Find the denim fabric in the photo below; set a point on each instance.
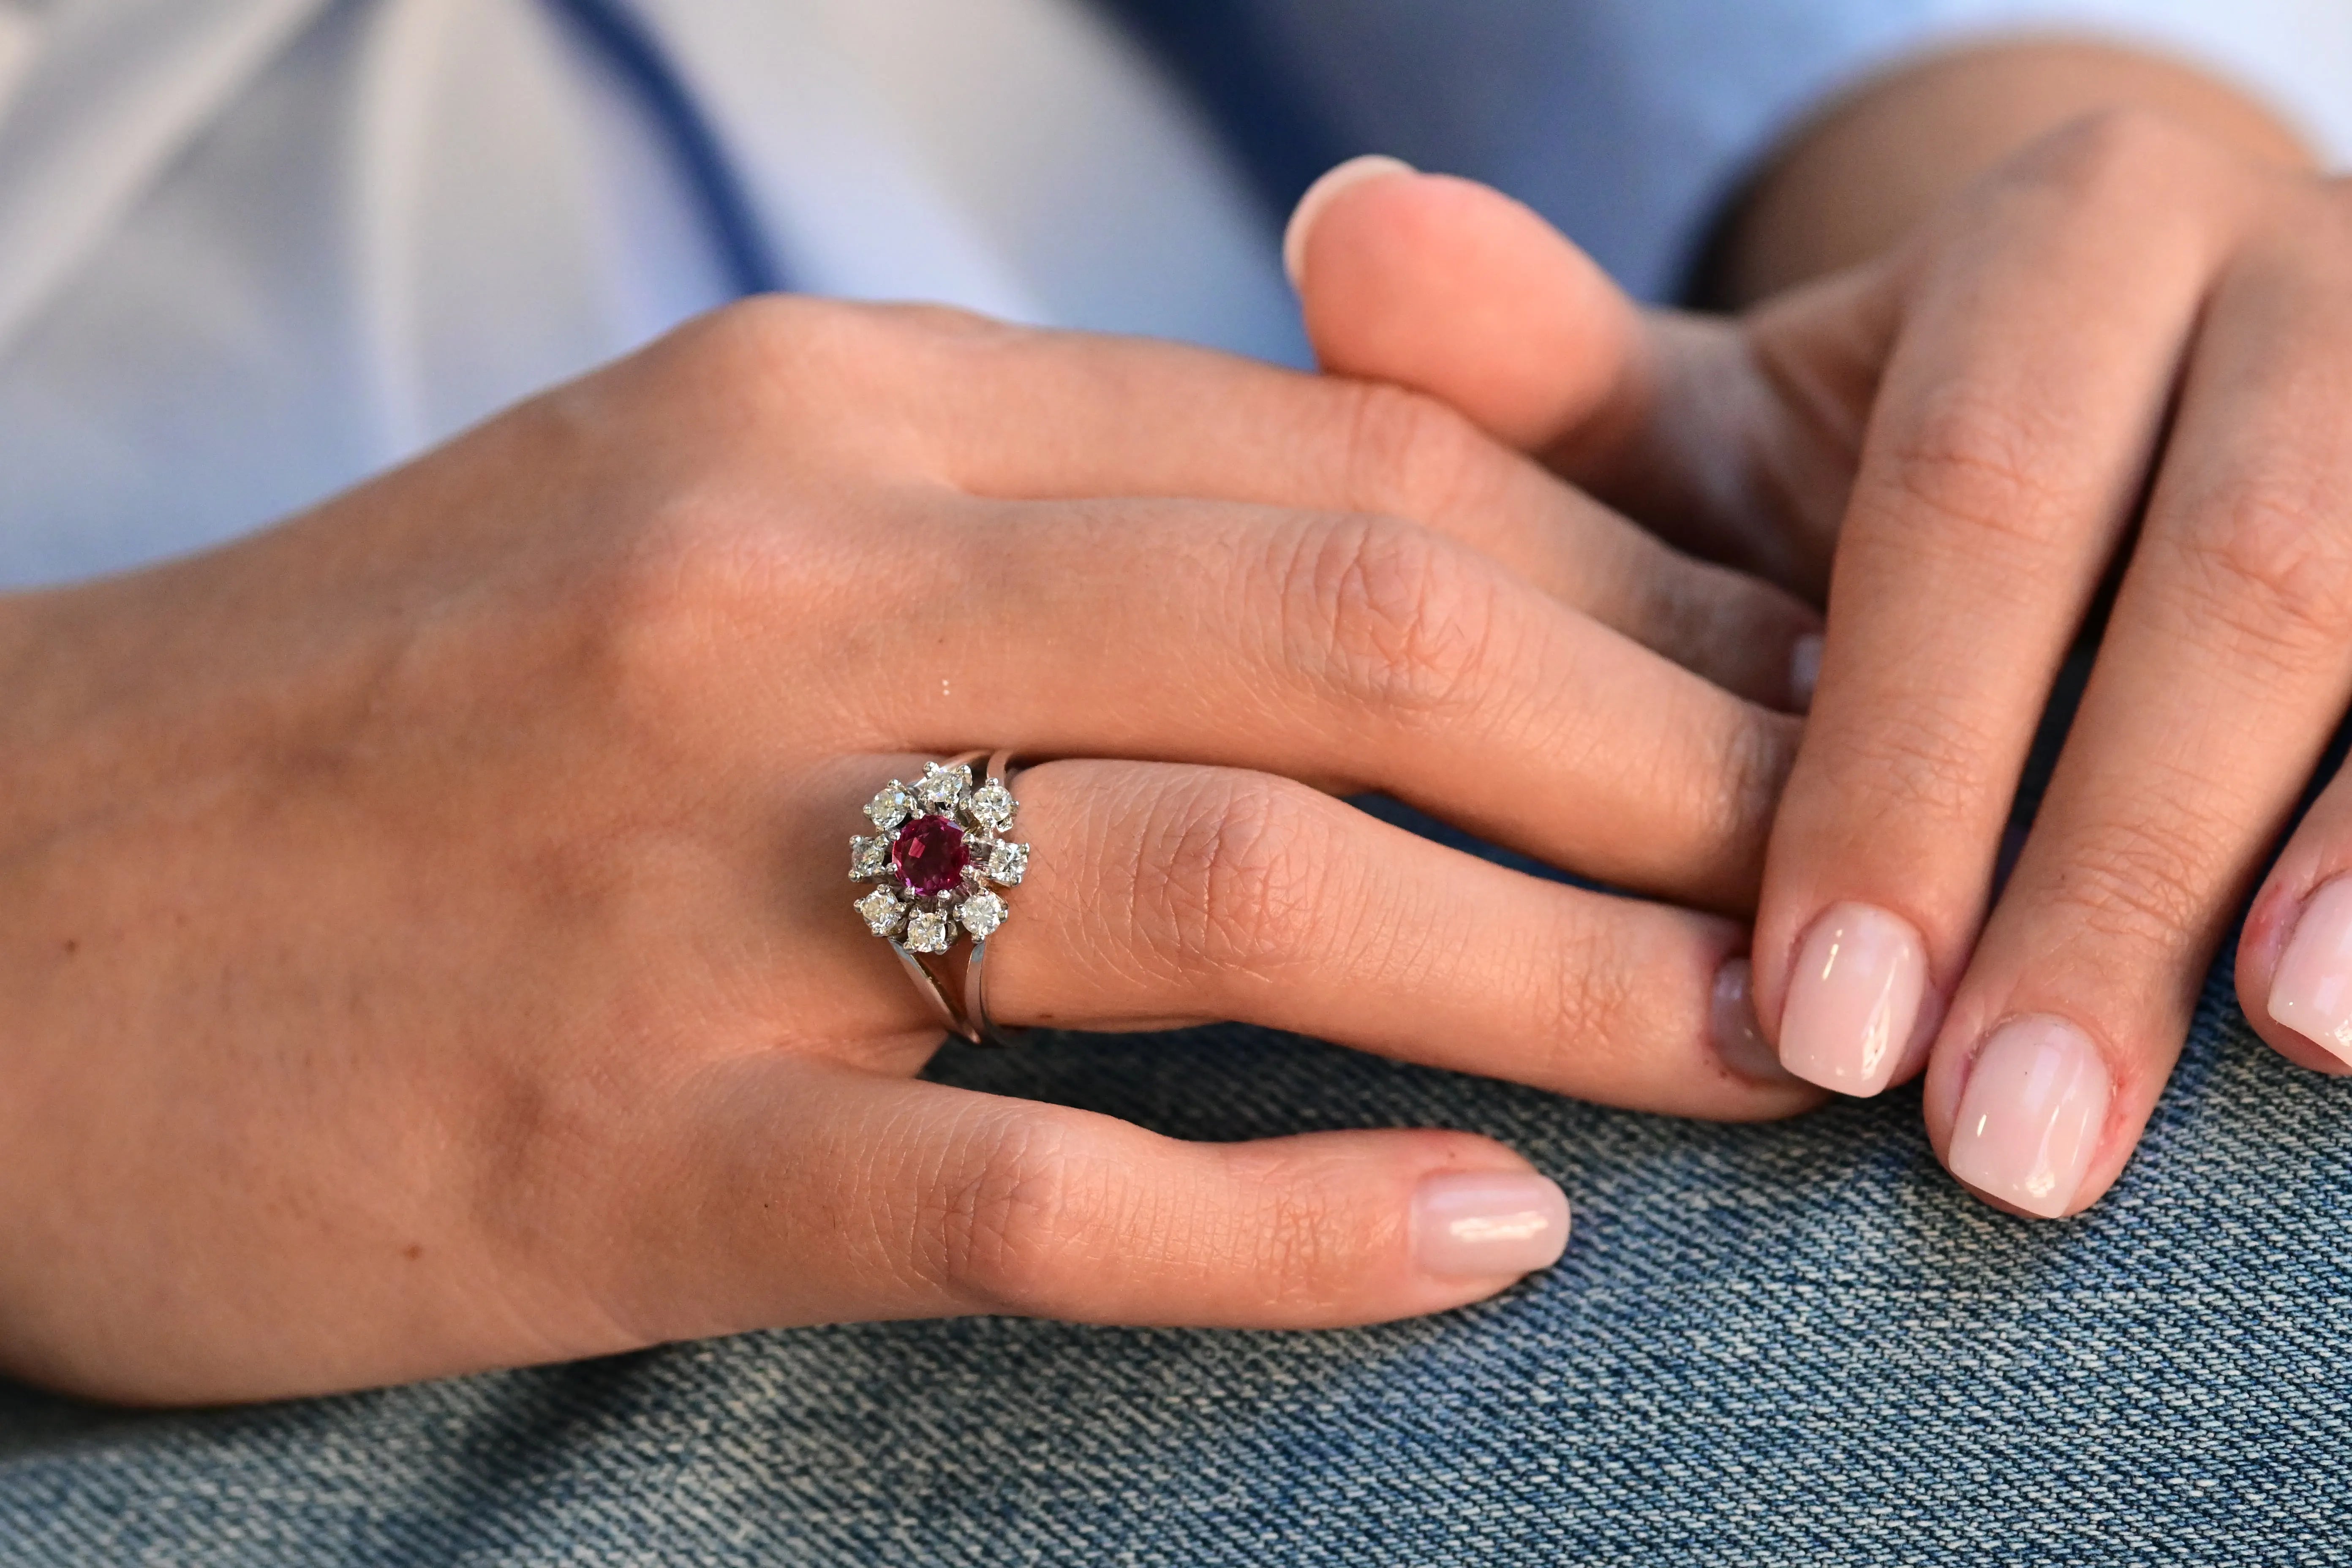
(1786, 1344)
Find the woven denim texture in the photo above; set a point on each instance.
(1788, 1344)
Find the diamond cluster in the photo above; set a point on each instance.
(937, 852)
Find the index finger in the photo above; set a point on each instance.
(2008, 452)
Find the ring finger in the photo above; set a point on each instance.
(1160, 894)
(2227, 661)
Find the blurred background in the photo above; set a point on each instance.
(253, 250)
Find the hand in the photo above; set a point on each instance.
(425, 935)
(2129, 341)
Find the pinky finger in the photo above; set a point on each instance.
(827, 1194)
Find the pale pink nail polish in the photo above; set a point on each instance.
(1853, 999)
(1739, 1038)
(2031, 1116)
(1804, 670)
(2312, 992)
(1477, 1225)
(1332, 181)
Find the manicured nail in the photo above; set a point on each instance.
(1479, 1225)
(2312, 992)
(1738, 1038)
(2031, 1116)
(1804, 671)
(1319, 195)
(1853, 999)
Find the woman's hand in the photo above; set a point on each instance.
(2131, 340)
(426, 929)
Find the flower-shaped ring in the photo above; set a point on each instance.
(939, 854)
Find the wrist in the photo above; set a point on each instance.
(1858, 174)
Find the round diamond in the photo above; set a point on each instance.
(942, 787)
(929, 856)
(881, 909)
(992, 804)
(869, 858)
(1008, 863)
(928, 932)
(981, 913)
(891, 808)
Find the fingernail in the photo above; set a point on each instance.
(1853, 999)
(2312, 992)
(2031, 1116)
(1804, 670)
(1478, 1225)
(1739, 1038)
(1319, 195)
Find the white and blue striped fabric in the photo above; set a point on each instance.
(252, 250)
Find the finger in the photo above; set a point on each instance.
(1009, 413)
(1471, 296)
(1351, 648)
(1693, 427)
(2227, 662)
(2294, 955)
(806, 1193)
(1160, 894)
(2020, 411)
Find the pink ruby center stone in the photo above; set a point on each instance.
(928, 856)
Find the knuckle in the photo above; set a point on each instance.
(1388, 616)
(1975, 464)
(762, 341)
(2124, 151)
(2148, 885)
(2270, 563)
(767, 360)
(1014, 1217)
(1943, 769)
(799, 359)
(1233, 873)
(1407, 454)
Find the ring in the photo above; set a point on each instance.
(938, 853)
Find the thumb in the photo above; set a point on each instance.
(1452, 288)
(830, 1195)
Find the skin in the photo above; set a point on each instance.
(1855, 181)
(1977, 393)
(425, 938)
(410, 954)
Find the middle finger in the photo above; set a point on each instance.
(1014, 413)
(1363, 650)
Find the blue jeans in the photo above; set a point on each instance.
(1786, 1344)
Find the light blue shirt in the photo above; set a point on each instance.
(253, 250)
(1627, 122)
